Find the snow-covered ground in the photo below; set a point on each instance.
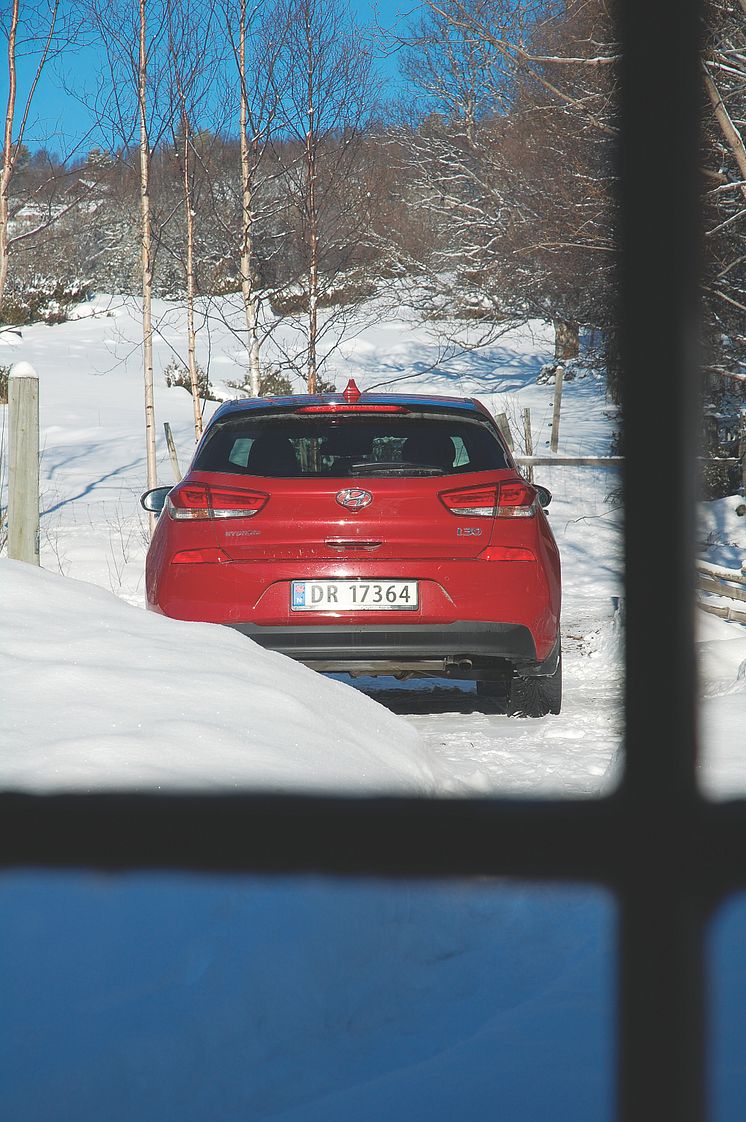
(93, 530)
(177, 998)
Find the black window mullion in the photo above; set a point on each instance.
(659, 316)
(661, 1001)
(661, 1044)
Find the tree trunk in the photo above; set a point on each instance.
(147, 268)
(7, 168)
(566, 340)
(313, 236)
(730, 133)
(191, 333)
(248, 286)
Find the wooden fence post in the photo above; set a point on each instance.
(504, 426)
(23, 464)
(558, 378)
(172, 452)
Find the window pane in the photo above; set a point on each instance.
(190, 999)
(727, 1013)
(413, 551)
(721, 536)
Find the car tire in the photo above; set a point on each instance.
(536, 697)
(494, 695)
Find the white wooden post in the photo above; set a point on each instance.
(558, 378)
(23, 466)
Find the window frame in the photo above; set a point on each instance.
(669, 856)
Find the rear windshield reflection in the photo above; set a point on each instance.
(293, 447)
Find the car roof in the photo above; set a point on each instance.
(298, 401)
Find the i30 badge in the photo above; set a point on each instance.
(354, 498)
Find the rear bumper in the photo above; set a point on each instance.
(464, 648)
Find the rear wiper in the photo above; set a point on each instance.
(394, 467)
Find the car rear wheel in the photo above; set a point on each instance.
(536, 697)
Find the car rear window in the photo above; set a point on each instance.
(290, 446)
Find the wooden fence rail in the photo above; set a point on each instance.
(569, 461)
(599, 461)
(730, 584)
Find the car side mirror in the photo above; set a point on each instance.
(154, 500)
(544, 495)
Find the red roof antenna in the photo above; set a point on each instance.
(351, 392)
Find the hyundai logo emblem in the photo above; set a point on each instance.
(354, 498)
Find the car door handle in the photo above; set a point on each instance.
(340, 543)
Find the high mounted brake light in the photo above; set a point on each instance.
(343, 407)
(199, 500)
(513, 499)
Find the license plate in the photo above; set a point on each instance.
(353, 595)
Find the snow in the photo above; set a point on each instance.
(721, 655)
(100, 695)
(162, 997)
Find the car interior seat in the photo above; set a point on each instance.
(429, 448)
(345, 446)
(272, 455)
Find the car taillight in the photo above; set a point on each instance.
(513, 499)
(476, 502)
(200, 500)
(516, 500)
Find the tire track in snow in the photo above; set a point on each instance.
(577, 753)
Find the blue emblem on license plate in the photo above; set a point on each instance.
(299, 595)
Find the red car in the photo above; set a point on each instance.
(367, 533)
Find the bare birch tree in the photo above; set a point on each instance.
(10, 152)
(328, 92)
(147, 254)
(132, 34)
(191, 67)
(724, 152)
(516, 160)
(256, 31)
(40, 30)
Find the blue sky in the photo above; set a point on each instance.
(59, 120)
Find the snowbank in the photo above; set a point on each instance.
(721, 656)
(98, 694)
(722, 531)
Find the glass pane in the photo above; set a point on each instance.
(721, 537)
(449, 298)
(190, 999)
(727, 1013)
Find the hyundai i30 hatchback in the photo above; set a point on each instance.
(371, 534)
